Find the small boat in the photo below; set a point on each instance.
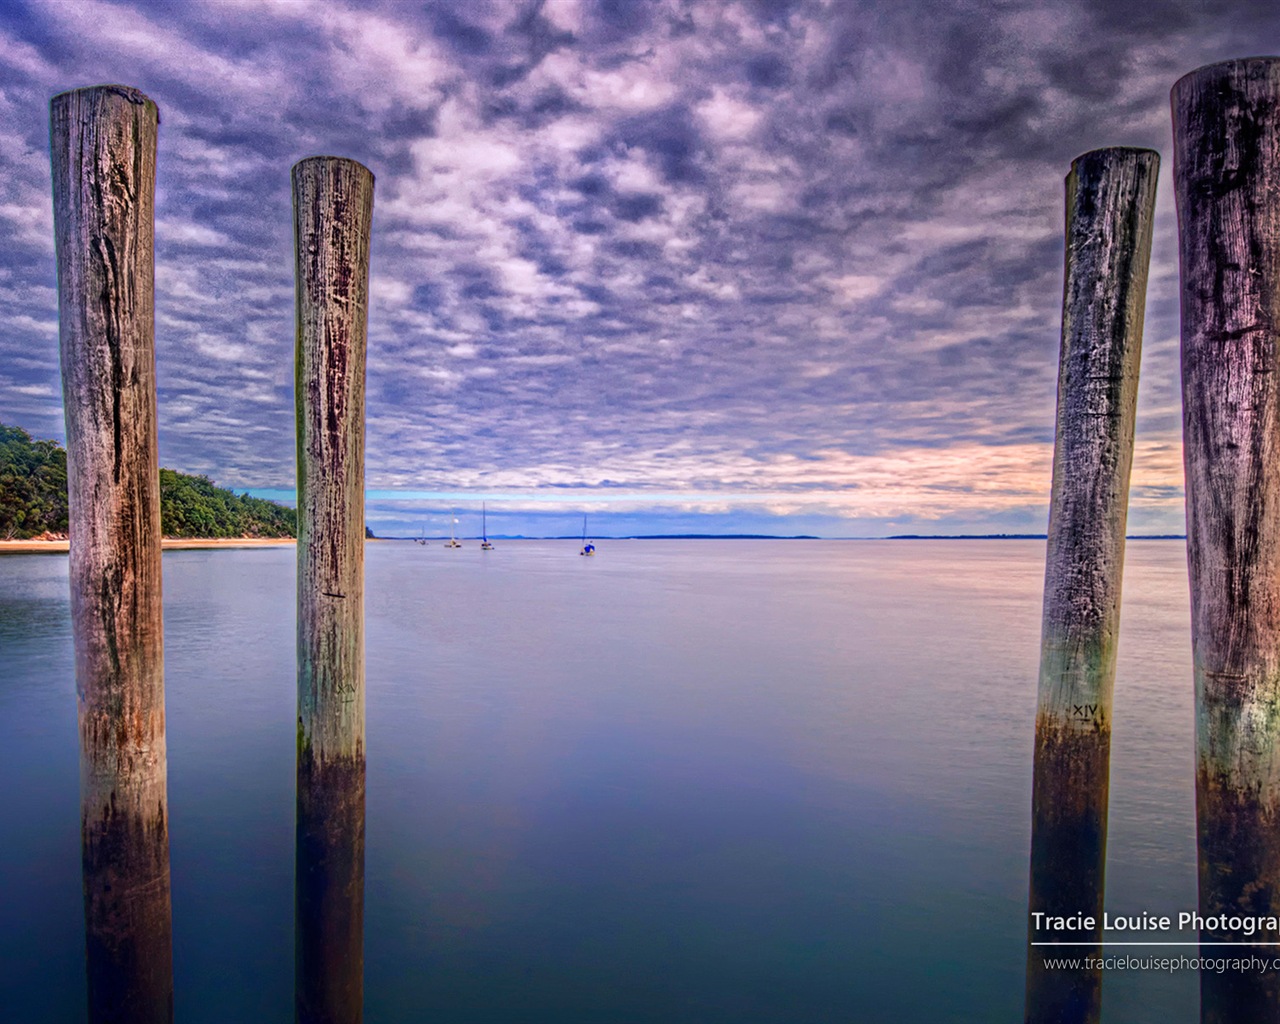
(587, 547)
(484, 531)
(453, 521)
(422, 536)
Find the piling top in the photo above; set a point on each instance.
(1228, 69)
(136, 96)
(1115, 151)
(1113, 155)
(353, 164)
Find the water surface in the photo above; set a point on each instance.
(720, 781)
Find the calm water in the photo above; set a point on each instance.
(712, 781)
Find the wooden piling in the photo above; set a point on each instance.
(332, 211)
(1226, 121)
(103, 149)
(1110, 199)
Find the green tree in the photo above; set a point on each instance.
(33, 498)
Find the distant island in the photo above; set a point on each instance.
(33, 498)
(969, 536)
(1020, 536)
(718, 536)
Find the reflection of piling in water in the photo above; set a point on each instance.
(103, 143)
(1226, 121)
(1110, 206)
(333, 211)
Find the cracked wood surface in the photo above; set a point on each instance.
(333, 211)
(103, 149)
(1110, 207)
(1226, 120)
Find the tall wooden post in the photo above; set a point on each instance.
(103, 146)
(332, 215)
(1226, 122)
(1111, 197)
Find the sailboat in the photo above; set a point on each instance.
(587, 547)
(453, 521)
(484, 531)
(422, 536)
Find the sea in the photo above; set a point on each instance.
(713, 781)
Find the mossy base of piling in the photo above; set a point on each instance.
(329, 892)
(1068, 836)
(1239, 862)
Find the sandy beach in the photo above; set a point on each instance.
(54, 547)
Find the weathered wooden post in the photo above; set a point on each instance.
(103, 146)
(332, 214)
(1111, 197)
(1226, 126)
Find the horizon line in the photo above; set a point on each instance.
(769, 536)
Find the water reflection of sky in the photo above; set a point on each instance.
(731, 781)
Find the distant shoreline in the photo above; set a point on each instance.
(777, 536)
(1015, 536)
(644, 536)
(55, 547)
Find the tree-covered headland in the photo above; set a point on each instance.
(191, 506)
(33, 498)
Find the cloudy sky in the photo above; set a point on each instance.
(763, 266)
